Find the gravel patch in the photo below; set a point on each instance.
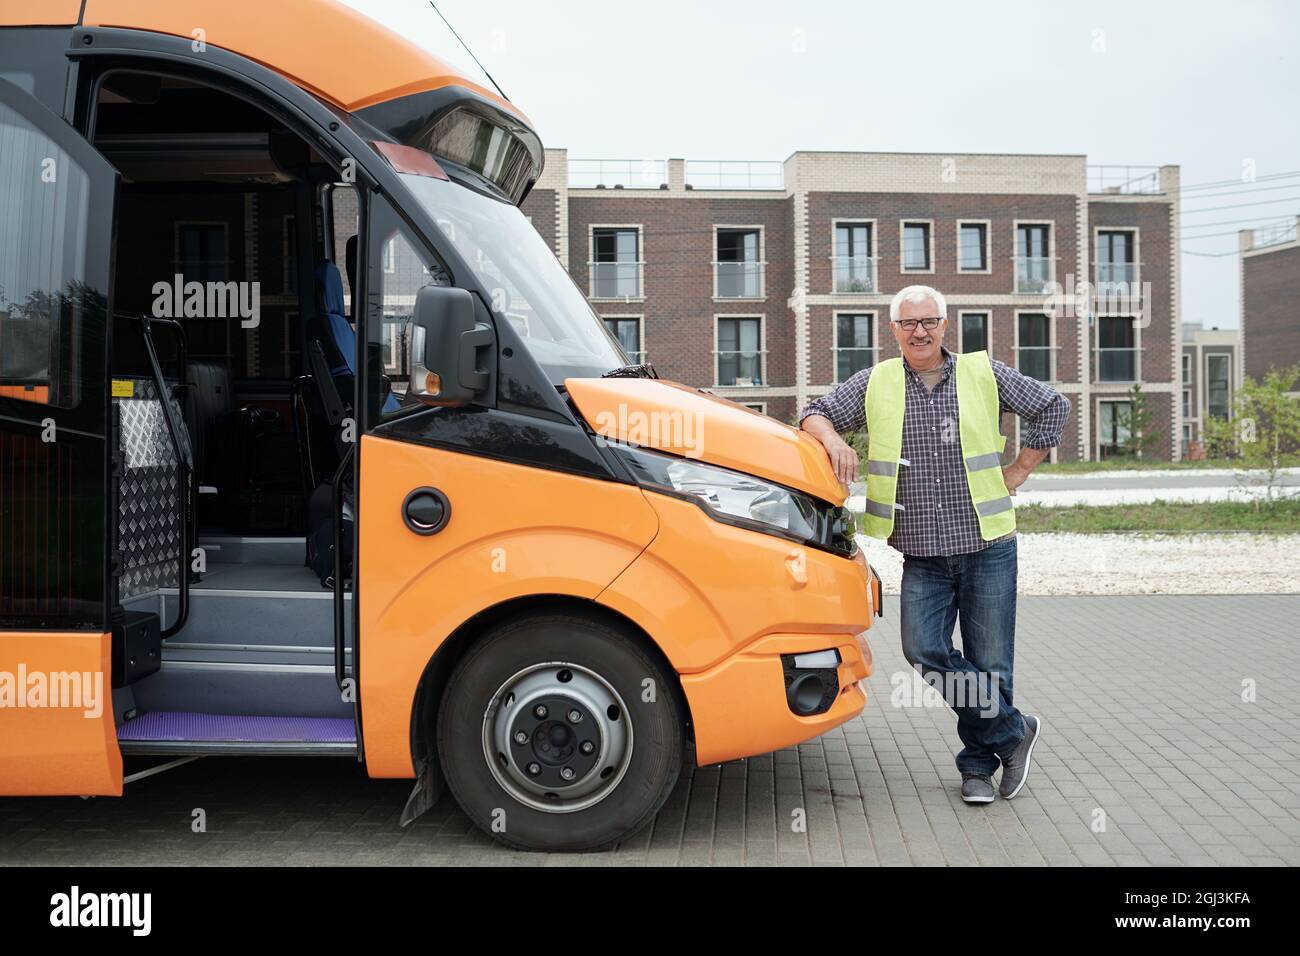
(1229, 563)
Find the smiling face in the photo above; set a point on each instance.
(921, 347)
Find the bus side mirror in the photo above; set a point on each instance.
(448, 348)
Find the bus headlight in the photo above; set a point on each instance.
(736, 498)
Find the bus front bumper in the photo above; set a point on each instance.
(741, 706)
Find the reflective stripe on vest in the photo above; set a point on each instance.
(981, 444)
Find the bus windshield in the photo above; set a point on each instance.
(528, 286)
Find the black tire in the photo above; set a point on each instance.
(658, 732)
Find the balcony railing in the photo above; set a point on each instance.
(1275, 233)
(615, 280)
(1109, 273)
(1118, 290)
(734, 174)
(1117, 364)
(741, 367)
(852, 359)
(617, 173)
(1124, 180)
(738, 280)
(1034, 275)
(1035, 361)
(854, 273)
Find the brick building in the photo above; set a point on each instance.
(1211, 376)
(767, 283)
(1270, 298)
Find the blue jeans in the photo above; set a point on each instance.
(980, 589)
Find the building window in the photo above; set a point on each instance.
(972, 247)
(1116, 259)
(973, 332)
(854, 343)
(740, 353)
(1034, 346)
(854, 266)
(616, 263)
(201, 251)
(1187, 438)
(1113, 428)
(627, 329)
(1116, 351)
(760, 407)
(1187, 403)
(1033, 259)
(389, 257)
(916, 247)
(1217, 386)
(1187, 367)
(738, 268)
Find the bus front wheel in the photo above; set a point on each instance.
(559, 732)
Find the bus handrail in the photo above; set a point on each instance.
(184, 462)
(340, 671)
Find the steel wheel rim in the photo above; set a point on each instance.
(532, 753)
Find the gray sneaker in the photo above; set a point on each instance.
(1015, 765)
(977, 788)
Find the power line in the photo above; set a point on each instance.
(1242, 192)
(1234, 222)
(1242, 205)
(1241, 182)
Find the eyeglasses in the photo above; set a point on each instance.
(909, 325)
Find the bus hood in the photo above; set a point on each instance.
(680, 420)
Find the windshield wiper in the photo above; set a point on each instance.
(632, 371)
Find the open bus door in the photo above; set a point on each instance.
(57, 206)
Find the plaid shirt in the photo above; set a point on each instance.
(938, 517)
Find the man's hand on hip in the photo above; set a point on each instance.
(844, 460)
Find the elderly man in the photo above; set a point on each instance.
(937, 490)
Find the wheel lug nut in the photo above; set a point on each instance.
(534, 769)
(587, 747)
(521, 737)
(575, 716)
(566, 773)
(540, 711)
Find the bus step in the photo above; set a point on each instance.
(175, 732)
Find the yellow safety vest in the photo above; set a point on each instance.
(981, 444)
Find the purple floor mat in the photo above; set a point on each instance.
(180, 725)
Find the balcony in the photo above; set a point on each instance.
(851, 360)
(853, 274)
(1035, 361)
(1118, 290)
(734, 174)
(1034, 275)
(617, 174)
(740, 368)
(615, 280)
(1117, 365)
(1124, 180)
(738, 280)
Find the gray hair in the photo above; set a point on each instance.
(916, 294)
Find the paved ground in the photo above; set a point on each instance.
(1145, 724)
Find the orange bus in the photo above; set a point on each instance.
(310, 446)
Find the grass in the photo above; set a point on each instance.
(1279, 517)
(1133, 464)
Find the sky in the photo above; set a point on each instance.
(1208, 86)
